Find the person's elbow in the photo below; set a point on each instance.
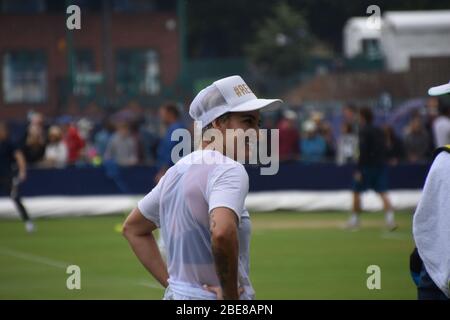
(224, 235)
(137, 226)
(127, 230)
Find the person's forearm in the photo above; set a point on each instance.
(147, 251)
(21, 163)
(225, 251)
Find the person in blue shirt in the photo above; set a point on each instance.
(313, 146)
(170, 117)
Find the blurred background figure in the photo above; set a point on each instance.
(103, 136)
(313, 145)
(393, 146)
(441, 125)
(56, 153)
(12, 160)
(371, 172)
(72, 139)
(417, 141)
(122, 147)
(289, 138)
(347, 145)
(170, 119)
(349, 117)
(34, 145)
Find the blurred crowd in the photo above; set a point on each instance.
(313, 138)
(126, 138)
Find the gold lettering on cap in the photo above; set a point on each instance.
(242, 89)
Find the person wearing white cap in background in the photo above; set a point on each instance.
(199, 206)
(430, 261)
(441, 125)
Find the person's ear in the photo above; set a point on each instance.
(216, 124)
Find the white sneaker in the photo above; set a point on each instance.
(29, 226)
(391, 226)
(352, 223)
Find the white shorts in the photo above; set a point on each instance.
(188, 292)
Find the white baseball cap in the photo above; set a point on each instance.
(439, 90)
(229, 94)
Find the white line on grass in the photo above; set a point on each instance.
(150, 285)
(34, 258)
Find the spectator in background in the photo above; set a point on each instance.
(326, 133)
(416, 141)
(288, 137)
(323, 129)
(37, 120)
(441, 125)
(33, 147)
(122, 147)
(56, 153)
(170, 117)
(72, 139)
(347, 145)
(394, 152)
(102, 137)
(313, 145)
(349, 117)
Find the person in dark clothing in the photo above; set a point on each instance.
(33, 147)
(371, 170)
(9, 156)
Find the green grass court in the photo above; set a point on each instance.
(293, 256)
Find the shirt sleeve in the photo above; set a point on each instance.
(149, 205)
(228, 188)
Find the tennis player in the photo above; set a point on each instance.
(199, 205)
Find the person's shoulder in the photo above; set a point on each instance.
(231, 168)
(441, 162)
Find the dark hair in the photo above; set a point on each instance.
(171, 108)
(367, 114)
(223, 117)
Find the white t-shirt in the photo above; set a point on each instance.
(58, 153)
(441, 131)
(180, 205)
(431, 224)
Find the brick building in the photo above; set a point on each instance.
(131, 51)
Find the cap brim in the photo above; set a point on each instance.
(256, 104)
(439, 90)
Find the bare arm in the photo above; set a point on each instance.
(22, 164)
(139, 232)
(225, 248)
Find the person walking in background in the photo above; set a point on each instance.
(10, 156)
(371, 172)
(56, 151)
(170, 117)
(288, 137)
